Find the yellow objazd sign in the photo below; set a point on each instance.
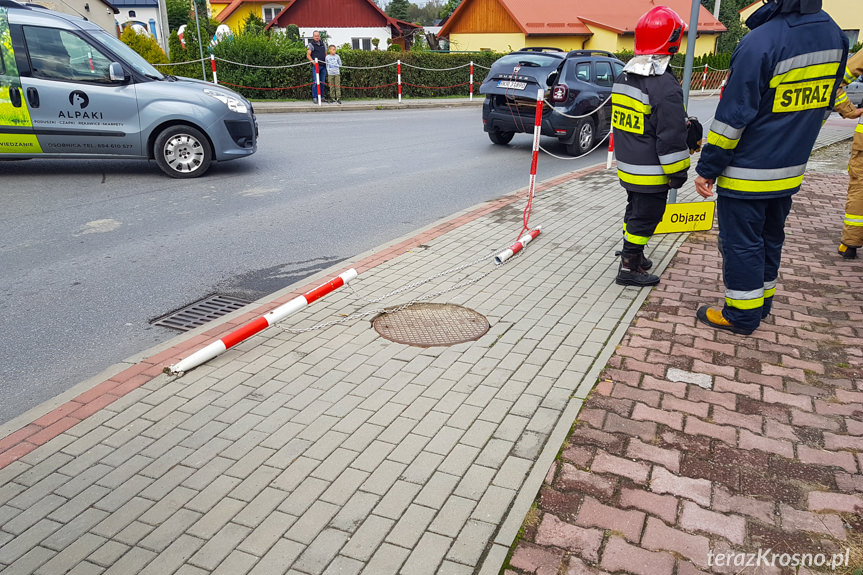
(693, 217)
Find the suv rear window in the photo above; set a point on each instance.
(529, 59)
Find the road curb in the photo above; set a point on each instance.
(303, 108)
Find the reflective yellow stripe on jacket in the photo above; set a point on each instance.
(805, 82)
(641, 175)
(675, 162)
(757, 180)
(723, 135)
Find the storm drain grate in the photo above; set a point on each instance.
(432, 324)
(200, 312)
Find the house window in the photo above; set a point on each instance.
(361, 43)
(853, 36)
(271, 11)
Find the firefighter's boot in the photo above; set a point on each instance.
(847, 252)
(632, 273)
(646, 264)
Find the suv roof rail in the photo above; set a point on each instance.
(540, 49)
(591, 53)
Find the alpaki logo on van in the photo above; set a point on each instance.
(79, 100)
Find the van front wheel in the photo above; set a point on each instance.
(182, 152)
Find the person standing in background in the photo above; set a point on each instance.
(852, 231)
(316, 51)
(334, 65)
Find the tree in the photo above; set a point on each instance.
(178, 13)
(253, 24)
(449, 7)
(730, 18)
(293, 32)
(398, 9)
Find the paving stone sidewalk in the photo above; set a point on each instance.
(335, 451)
(698, 441)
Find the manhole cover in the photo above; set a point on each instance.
(200, 312)
(431, 324)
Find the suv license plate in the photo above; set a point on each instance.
(512, 85)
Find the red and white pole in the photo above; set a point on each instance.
(471, 80)
(537, 128)
(704, 78)
(263, 322)
(517, 246)
(213, 62)
(610, 151)
(399, 62)
(318, 81)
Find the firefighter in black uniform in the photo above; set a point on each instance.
(649, 122)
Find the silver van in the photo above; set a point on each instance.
(68, 89)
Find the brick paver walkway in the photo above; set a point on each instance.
(336, 451)
(698, 441)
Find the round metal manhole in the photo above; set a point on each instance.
(431, 324)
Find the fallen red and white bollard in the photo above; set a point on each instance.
(517, 246)
(241, 334)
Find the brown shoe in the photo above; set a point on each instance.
(713, 317)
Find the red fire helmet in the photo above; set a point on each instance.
(659, 31)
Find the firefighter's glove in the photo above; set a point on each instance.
(676, 181)
(694, 134)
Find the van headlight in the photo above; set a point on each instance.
(233, 104)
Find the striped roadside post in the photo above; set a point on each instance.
(610, 157)
(517, 246)
(243, 333)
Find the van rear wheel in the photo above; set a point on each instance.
(182, 152)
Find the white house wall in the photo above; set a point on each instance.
(142, 15)
(341, 36)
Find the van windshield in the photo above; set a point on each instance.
(130, 57)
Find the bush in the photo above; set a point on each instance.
(145, 45)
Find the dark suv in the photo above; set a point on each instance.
(576, 83)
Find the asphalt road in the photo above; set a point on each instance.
(92, 251)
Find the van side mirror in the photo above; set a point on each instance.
(116, 72)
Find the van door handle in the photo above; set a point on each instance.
(15, 96)
(33, 97)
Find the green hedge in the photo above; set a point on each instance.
(365, 75)
(376, 78)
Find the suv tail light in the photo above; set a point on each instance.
(559, 93)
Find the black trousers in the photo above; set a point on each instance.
(643, 213)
